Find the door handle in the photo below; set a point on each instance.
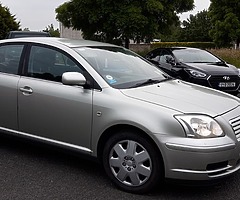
(26, 90)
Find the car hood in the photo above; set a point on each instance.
(214, 69)
(184, 97)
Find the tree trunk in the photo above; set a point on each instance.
(127, 42)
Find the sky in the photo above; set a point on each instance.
(36, 15)
(200, 5)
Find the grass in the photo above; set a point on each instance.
(231, 56)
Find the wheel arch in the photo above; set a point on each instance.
(118, 128)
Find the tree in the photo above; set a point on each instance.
(7, 22)
(172, 35)
(53, 32)
(111, 20)
(196, 28)
(225, 18)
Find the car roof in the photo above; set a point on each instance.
(175, 48)
(55, 41)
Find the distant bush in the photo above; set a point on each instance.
(143, 49)
(231, 56)
(202, 45)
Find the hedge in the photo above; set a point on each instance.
(202, 45)
(142, 49)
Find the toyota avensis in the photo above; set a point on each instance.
(197, 66)
(107, 102)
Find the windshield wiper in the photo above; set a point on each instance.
(219, 63)
(151, 81)
(199, 62)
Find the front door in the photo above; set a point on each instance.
(49, 110)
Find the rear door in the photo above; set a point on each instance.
(49, 110)
(10, 60)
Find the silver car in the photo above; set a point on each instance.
(107, 102)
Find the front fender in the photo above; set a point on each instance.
(150, 118)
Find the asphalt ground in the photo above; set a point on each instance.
(29, 170)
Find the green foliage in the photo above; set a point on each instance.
(225, 18)
(143, 49)
(53, 32)
(172, 35)
(110, 20)
(7, 22)
(196, 28)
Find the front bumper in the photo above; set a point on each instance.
(202, 159)
(214, 82)
(202, 162)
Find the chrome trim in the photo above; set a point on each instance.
(202, 149)
(225, 171)
(235, 123)
(10, 131)
(209, 77)
(202, 172)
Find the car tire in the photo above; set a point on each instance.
(132, 162)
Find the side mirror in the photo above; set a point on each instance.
(170, 60)
(73, 78)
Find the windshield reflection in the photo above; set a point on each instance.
(119, 67)
(195, 56)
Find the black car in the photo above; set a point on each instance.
(197, 66)
(20, 34)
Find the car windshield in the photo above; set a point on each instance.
(195, 56)
(120, 67)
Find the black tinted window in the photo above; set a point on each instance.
(10, 58)
(154, 56)
(49, 64)
(165, 56)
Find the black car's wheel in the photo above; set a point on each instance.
(132, 162)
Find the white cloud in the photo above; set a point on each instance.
(200, 5)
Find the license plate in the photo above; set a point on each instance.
(227, 84)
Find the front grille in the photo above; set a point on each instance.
(235, 123)
(217, 81)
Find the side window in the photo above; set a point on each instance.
(154, 56)
(10, 58)
(164, 56)
(49, 64)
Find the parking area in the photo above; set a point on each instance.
(34, 171)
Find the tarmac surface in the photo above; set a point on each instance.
(29, 170)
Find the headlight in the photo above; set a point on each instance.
(200, 126)
(197, 74)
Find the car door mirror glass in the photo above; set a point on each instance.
(73, 78)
